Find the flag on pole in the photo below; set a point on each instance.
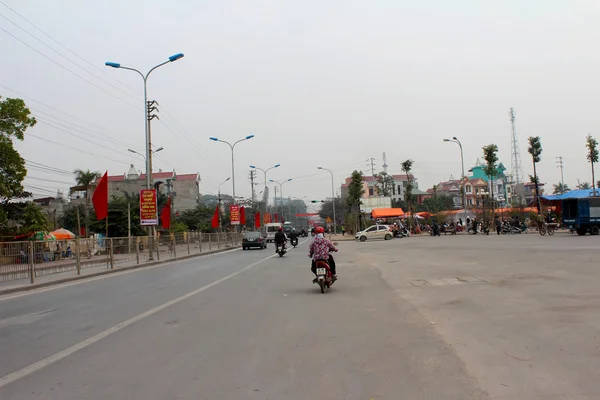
(257, 220)
(100, 198)
(165, 215)
(215, 219)
(276, 217)
(242, 216)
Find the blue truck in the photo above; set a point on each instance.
(580, 210)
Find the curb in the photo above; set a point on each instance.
(34, 286)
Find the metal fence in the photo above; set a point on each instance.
(31, 259)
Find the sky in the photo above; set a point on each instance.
(318, 82)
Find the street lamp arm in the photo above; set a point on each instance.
(130, 69)
(153, 68)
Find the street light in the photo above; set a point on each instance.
(265, 173)
(332, 197)
(144, 157)
(280, 183)
(462, 162)
(232, 146)
(148, 158)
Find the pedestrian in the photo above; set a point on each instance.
(343, 231)
(460, 222)
(498, 224)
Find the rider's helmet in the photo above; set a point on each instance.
(280, 229)
(319, 229)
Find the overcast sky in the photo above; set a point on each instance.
(329, 83)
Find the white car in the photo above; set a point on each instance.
(375, 232)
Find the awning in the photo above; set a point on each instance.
(572, 194)
(387, 212)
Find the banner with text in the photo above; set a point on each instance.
(234, 214)
(148, 208)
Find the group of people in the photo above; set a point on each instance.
(319, 249)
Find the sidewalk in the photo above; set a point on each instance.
(98, 266)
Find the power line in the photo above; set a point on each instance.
(67, 69)
(47, 180)
(68, 49)
(65, 57)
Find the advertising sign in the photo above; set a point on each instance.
(148, 208)
(234, 212)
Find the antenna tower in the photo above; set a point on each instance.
(385, 165)
(516, 167)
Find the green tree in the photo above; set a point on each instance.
(583, 185)
(406, 167)
(33, 219)
(592, 156)
(490, 155)
(84, 182)
(14, 120)
(560, 188)
(535, 149)
(327, 210)
(199, 218)
(355, 192)
(385, 184)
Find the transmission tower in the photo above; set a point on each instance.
(385, 165)
(559, 161)
(516, 167)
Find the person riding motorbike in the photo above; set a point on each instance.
(293, 236)
(319, 250)
(279, 239)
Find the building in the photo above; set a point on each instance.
(398, 189)
(53, 207)
(500, 183)
(184, 187)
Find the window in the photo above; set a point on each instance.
(382, 228)
(399, 189)
(372, 229)
(470, 201)
(469, 189)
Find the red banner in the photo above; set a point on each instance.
(100, 198)
(266, 218)
(165, 215)
(257, 220)
(148, 209)
(215, 219)
(243, 215)
(234, 214)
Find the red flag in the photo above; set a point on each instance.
(243, 215)
(165, 215)
(100, 198)
(257, 220)
(276, 217)
(215, 219)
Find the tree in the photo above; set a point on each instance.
(583, 185)
(436, 204)
(327, 210)
(490, 155)
(535, 149)
(14, 121)
(592, 156)
(385, 184)
(33, 219)
(407, 168)
(84, 180)
(355, 193)
(561, 188)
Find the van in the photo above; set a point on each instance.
(272, 229)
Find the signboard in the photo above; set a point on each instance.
(234, 212)
(148, 208)
(328, 220)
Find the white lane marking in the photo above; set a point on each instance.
(106, 276)
(5, 380)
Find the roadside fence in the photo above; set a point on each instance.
(31, 259)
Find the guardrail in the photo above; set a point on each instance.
(31, 259)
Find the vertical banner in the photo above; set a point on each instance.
(266, 218)
(257, 220)
(148, 208)
(243, 215)
(234, 214)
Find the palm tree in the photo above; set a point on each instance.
(592, 156)
(407, 168)
(535, 149)
(561, 188)
(583, 185)
(491, 158)
(85, 180)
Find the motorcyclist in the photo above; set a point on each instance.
(293, 235)
(319, 250)
(279, 239)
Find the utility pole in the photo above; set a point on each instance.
(252, 177)
(562, 174)
(372, 162)
(516, 167)
(275, 200)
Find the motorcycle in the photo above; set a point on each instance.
(294, 241)
(281, 250)
(324, 276)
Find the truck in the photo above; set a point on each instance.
(580, 210)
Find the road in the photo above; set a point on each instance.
(235, 325)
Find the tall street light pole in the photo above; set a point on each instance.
(332, 197)
(173, 58)
(220, 222)
(265, 173)
(144, 157)
(462, 162)
(232, 146)
(280, 183)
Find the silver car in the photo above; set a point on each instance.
(375, 232)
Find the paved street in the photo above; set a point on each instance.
(462, 317)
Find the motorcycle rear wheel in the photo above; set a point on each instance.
(322, 285)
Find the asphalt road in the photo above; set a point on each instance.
(235, 325)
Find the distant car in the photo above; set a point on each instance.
(254, 239)
(375, 232)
